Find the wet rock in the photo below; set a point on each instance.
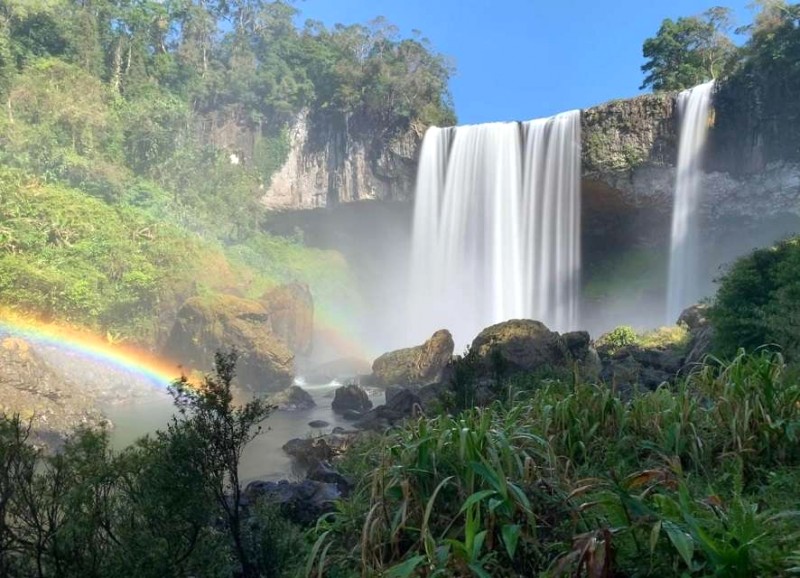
(208, 324)
(402, 405)
(302, 502)
(325, 472)
(350, 397)
(421, 365)
(318, 423)
(293, 398)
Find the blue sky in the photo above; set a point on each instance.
(522, 59)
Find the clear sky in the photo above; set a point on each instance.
(523, 59)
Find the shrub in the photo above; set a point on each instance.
(618, 338)
(575, 481)
(758, 302)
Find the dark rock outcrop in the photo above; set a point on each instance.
(421, 365)
(293, 398)
(350, 397)
(208, 324)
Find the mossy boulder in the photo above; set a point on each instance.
(517, 345)
(526, 346)
(418, 365)
(207, 324)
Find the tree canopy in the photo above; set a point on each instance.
(688, 51)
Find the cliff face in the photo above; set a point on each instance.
(328, 165)
(750, 194)
(629, 157)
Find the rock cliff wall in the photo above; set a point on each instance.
(328, 165)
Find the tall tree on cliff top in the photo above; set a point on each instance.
(689, 51)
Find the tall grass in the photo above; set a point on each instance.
(571, 480)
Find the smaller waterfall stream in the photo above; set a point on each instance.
(683, 285)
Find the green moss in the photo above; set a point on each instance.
(668, 337)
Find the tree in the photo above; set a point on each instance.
(208, 412)
(689, 51)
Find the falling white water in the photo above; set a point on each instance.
(496, 227)
(683, 286)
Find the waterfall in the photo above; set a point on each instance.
(496, 227)
(684, 272)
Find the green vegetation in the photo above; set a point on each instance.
(118, 269)
(571, 480)
(618, 338)
(118, 197)
(696, 49)
(689, 51)
(758, 301)
(159, 508)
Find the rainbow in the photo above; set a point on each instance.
(95, 349)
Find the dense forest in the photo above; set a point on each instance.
(118, 193)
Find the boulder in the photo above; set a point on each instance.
(420, 365)
(403, 404)
(290, 311)
(525, 345)
(318, 424)
(293, 398)
(311, 451)
(350, 397)
(393, 390)
(694, 317)
(207, 324)
(325, 472)
(302, 502)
